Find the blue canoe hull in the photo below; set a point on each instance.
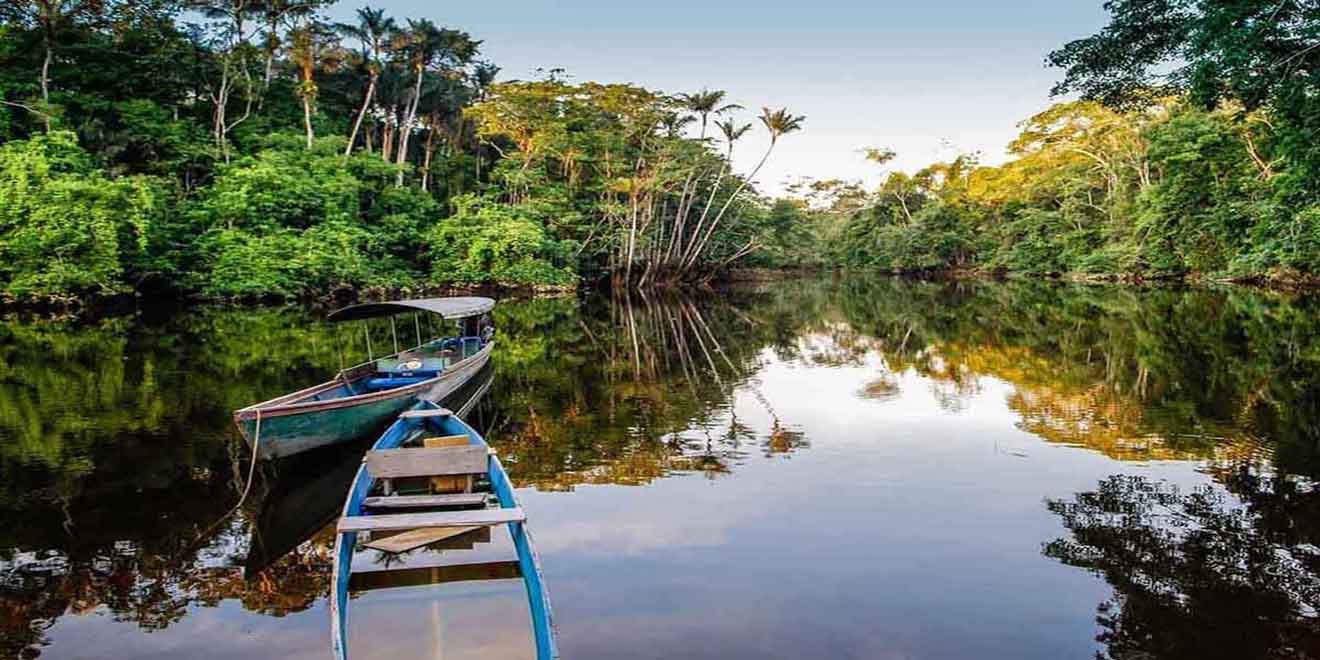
(528, 562)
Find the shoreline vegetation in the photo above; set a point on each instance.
(265, 152)
(253, 150)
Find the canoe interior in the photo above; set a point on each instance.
(406, 432)
(398, 370)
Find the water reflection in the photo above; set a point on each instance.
(628, 390)
(1134, 373)
(117, 457)
(1200, 573)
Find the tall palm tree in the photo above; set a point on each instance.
(705, 103)
(674, 122)
(779, 123)
(419, 43)
(275, 13)
(732, 133)
(311, 46)
(372, 28)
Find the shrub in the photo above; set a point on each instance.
(490, 242)
(66, 228)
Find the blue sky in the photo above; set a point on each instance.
(927, 79)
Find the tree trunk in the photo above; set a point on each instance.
(45, 81)
(903, 203)
(218, 118)
(1266, 170)
(387, 134)
(357, 123)
(705, 212)
(429, 150)
(724, 209)
(45, 75)
(401, 158)
(307, 119)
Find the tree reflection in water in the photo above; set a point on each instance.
(629, 389)
(1196, 574)
(116, 450)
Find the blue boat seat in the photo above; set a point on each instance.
(390, 382)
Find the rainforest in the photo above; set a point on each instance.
(257, 149)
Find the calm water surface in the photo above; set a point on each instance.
(818, 468)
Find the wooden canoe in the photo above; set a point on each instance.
(308, 494)
(423, 420)
(332, 413)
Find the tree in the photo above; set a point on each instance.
(54, 19)
(372, 30)
(66, 228)
(311, 46)
(706, 103)
(232, 35)
(425, 45)
(275, 14)
(778, 123)
(1260, 53)
(732, 132)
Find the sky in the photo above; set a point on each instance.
(927, 79)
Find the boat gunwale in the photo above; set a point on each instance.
(529, 560)
(276, 408)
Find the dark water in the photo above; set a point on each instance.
(820, 468)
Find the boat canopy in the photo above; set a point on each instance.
(449, 308)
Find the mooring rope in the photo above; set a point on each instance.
(252, 472)
(252, 466)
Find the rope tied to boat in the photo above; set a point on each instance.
(252, 472)
(252, 466)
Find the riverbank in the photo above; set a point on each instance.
(1281, 281)
(106, 305)
(72, 306)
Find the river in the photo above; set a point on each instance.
(824, 467)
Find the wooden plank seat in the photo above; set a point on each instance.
(399, 521)
(416, 538)
(427, 461)
(427, 412)
(425, 501)
(451, 468)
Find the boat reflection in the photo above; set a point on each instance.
(117, 453)
(308, 494)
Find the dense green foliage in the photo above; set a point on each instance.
(266, 152)
(1165, 190)
(285, 220)
(485, 241)
(1192, 151)
(64, 226)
